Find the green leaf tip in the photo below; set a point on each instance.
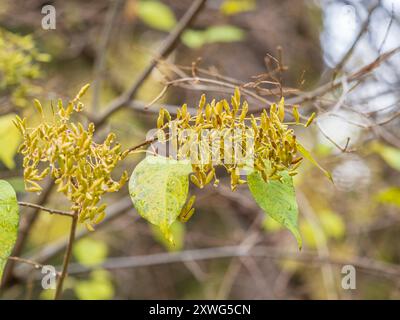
(278, 200)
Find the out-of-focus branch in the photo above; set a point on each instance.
(166, 48)
(195, 80)
(35, 264)
(139, 106)
(330, 86)
(322, 245)
(387, 29)
(374, 267)
(363, 30)
(102, 50)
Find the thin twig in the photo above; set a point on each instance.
(330, 86)
(363, 29)
(49, 210)
(143, 144)
(158, 97)
(67, 256)
(26, 225)
(342, 149)
(387, 30)
(219, 83)
(35, 264)
(139, 106)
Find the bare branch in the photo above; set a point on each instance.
(363, 30)
(35, 264)
(102, 51)
(49, 210)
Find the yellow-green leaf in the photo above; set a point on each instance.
(389, 196)
(98, 287)
(90, 252)
(310, 158)
(156, 15)
(9, 140)
(281, 109)
(309, 234)
(9, 220)
(221, 33)
(224, 33)
(277, 199)
(332, 224)
(159, 188)
(194, 38)
(231, 7)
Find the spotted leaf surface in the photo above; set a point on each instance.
(9, 220)
(158, 188)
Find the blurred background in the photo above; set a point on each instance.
(335, 57)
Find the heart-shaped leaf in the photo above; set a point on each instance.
(159, 188)
(277, 199)
(9, 220)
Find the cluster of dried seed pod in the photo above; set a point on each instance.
(226, 134)
(80, 167)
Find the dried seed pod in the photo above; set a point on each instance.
(310, 119)
(160, 119)
(187, 215)
(196, 181)
(269, 137)
(202, 102)
(38, 106)
(245, 109)
(81, 168)
(281, 109)
(83, 90)
(296, 114)
(210, 176)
